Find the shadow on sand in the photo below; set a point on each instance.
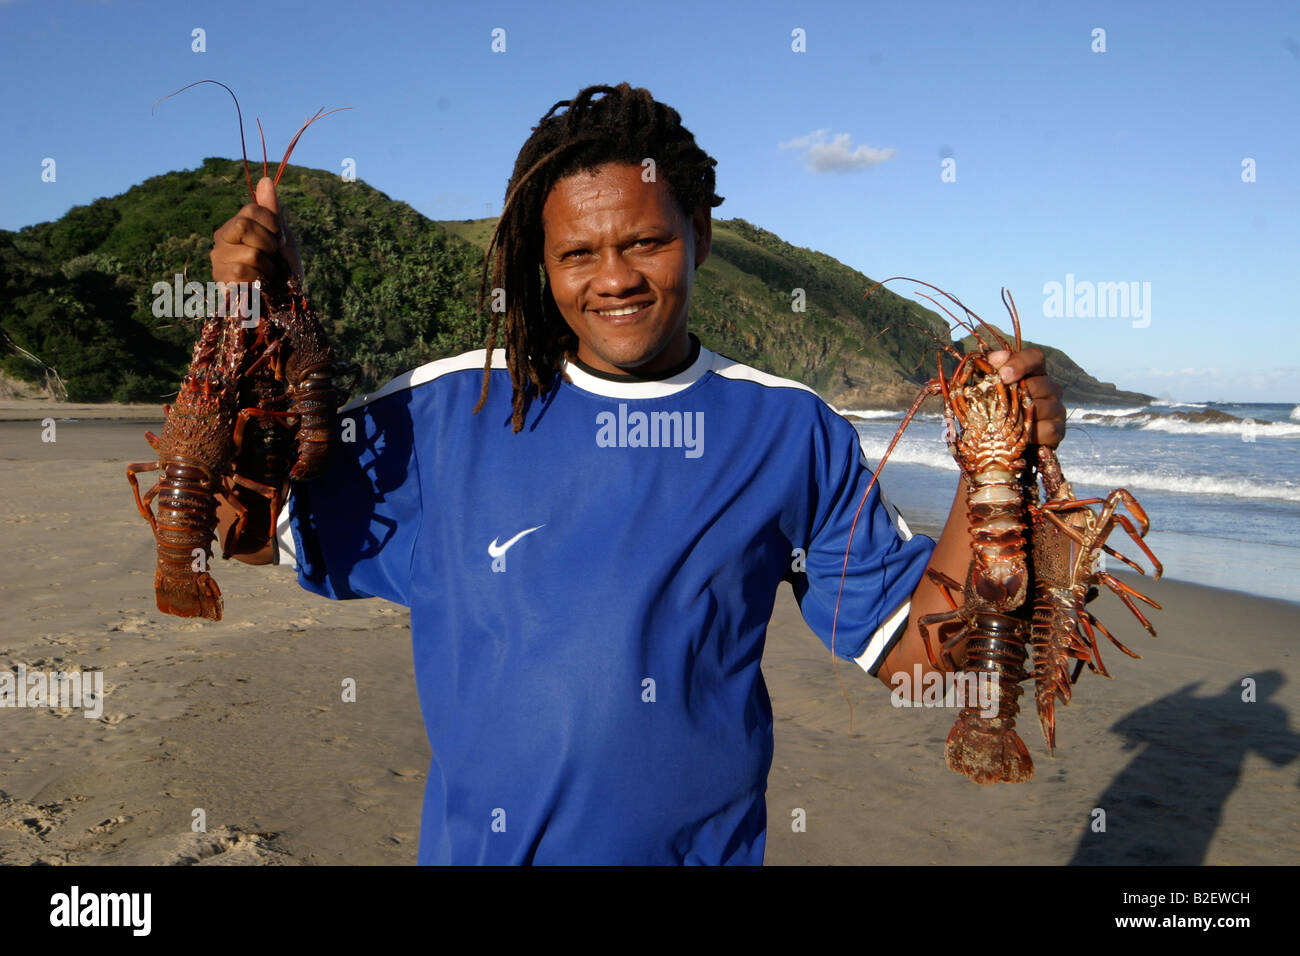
(1163, 808)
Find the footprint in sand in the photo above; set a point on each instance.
(109, 825)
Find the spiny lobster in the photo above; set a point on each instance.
(256, 409)
(1033, 565)
(1068, 540)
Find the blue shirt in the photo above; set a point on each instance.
(589, 597)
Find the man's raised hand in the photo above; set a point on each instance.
(254, 243)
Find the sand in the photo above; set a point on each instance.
(243, 719)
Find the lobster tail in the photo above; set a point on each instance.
(187, 518)
(1056, 644)
(314, 404)
(187, 595)
(310, 367)
(987, 748)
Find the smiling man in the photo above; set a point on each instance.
(590, 525)
(620, 261)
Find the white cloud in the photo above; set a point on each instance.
(826, 154)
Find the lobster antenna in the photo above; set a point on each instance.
(969, 327)
(1010, 303)
(320, 114)
(942, 308)
(876, 336)
(911, 412)
(969, 313)
(262, 136)
(956, 301)
(252, 192)
(957, 323)
(946, 346)
(1082, 428)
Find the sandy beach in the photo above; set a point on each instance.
(243, 719)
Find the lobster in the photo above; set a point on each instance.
(264, 438)
(990, 633)
(276, 376)
(303, 358)
(195, 455)
(1068, 540)
(988, 431)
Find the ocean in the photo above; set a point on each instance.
(1219, 481)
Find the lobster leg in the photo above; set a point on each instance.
(946, 586)
(246, 413)
(1137, 539)
(236, 527)
(923, 625)
(131, 472)
(1122, 591)
(241, 512)
(1090, 620)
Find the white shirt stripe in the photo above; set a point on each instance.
(879, 643)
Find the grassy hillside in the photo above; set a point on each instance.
(77, 292)
(399, 290)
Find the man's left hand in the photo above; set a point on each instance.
(1030, 367)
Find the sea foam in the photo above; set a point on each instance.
(936, 456)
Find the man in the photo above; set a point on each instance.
(590, 531)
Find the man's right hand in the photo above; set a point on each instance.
(254, 243)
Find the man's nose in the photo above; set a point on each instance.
(615, 274)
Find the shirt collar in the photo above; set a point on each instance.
(632, 386)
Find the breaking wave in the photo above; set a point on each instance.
(1176, 423)
(1108, 412)
(936, 456)
(882, 413)
(1261, 429)
(912, 453)
(1132, 478)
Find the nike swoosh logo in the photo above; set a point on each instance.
(496, 550)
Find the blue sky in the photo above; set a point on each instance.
(1122, 166)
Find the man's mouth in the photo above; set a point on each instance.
(626, 311)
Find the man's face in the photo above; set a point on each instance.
(614, 241)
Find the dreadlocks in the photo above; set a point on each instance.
(625, 125)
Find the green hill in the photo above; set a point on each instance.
(399, 290)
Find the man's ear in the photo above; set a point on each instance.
(702, 225)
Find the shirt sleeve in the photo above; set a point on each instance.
(351, 532)
(885, 563)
